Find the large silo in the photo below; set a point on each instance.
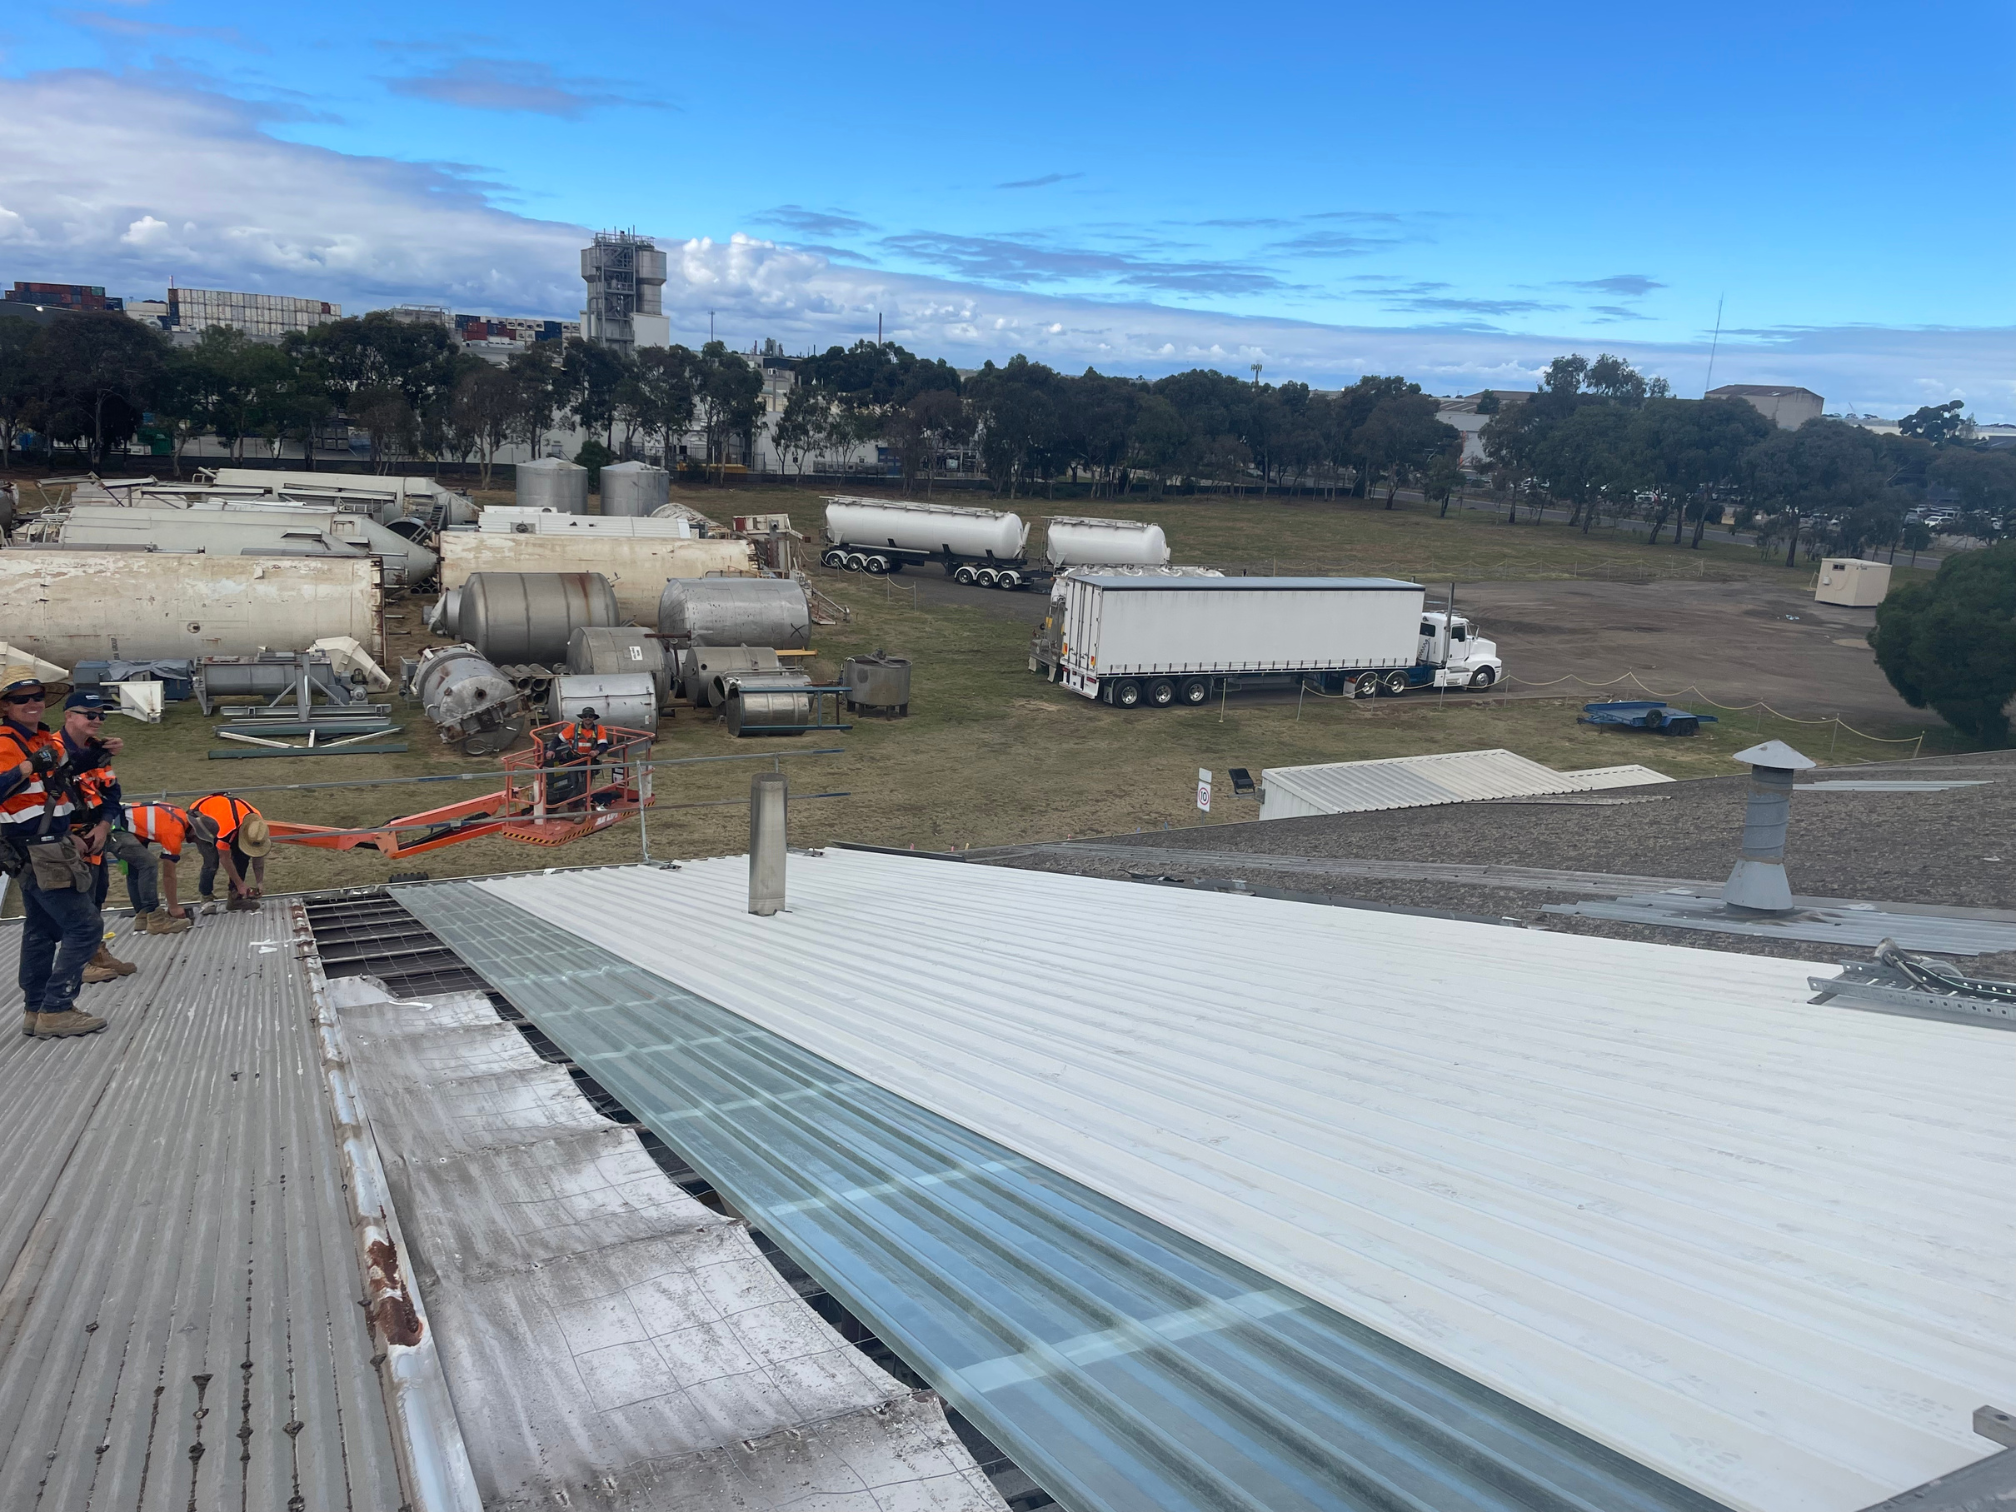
(550, 483)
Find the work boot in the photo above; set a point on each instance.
(112, 963)
(163, 922)
(27, 1022)
(66, 1024)
(94, 974)
(140, 920)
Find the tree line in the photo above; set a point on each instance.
(1598, 441)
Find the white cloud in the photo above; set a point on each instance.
(90, 167)
(146, 232)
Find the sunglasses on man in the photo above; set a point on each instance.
(27, 698)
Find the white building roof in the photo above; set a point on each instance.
(1353, 787)
(1761, 1246)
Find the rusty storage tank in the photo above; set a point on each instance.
(529, 616)
(878, 684)
(469, 700)
(550, 483)
(625, 699)
(634, 489)
(702, 668)
(770, 706)
(624, 648)
(723, 611)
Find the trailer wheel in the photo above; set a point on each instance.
(986, 577)
(1654, 718)
(1008, 578)
(1127, 693)
(855, 561)
(963, 575)
(1393, 684)
(1161, 693)
(834, 558)
(1481, 678)
(1365, 685)
(1196, 691)
(875, 566)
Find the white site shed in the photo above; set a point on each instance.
(1394, 782)
(1657, 1194)
(1851, 582)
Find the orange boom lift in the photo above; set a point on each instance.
(544, 801)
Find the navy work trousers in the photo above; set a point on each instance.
(61, 933)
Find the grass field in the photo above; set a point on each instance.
(992, 754)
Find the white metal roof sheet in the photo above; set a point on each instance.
(1762, 1246)
(1393, 782)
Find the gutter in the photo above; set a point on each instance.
(434, 1467)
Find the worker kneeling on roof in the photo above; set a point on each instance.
(149, 882)
(240, 848)
(97, 812)
(61, 929)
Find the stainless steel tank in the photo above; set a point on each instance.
(445, 617)
(550, 483)
(701, 669)
(625, 648)
(762, 708)
(529, 616)
(878, 683)
(628, 699)
(634, 489)
(736, 612)
(469, 700)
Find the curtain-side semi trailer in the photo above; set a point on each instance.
(1132, 641)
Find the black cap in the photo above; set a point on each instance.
(587, 713)
(84, 698)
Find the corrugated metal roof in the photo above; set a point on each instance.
(598, 1326)
(1762, 1246)
(179, 1319)
(1394, 782)
(1122, 1364)
(1859, 926)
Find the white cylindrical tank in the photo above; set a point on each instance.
(72, 606)
(1074, 542)
(727, 611)
(634, 489)
(925, 527)
(550, 483)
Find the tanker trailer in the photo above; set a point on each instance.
(983, 546)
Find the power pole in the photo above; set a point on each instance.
(1713, 345)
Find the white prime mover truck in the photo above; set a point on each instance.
(1159, 641)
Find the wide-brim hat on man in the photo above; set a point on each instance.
(17, 676)
(253, 837)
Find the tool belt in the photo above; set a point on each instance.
(59, 865)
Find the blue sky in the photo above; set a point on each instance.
(1456, 192)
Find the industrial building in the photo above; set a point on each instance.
(625, 277)
(1470, 421)
(1786, 408)
(654, 1200)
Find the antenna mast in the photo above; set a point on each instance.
(1713, 345)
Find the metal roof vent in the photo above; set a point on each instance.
(1758, 882)
(769, 795)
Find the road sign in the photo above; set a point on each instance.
(1204, 789)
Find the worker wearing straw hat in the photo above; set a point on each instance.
(61, 927)
(240, 848)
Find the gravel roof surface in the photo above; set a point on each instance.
(1956, 848)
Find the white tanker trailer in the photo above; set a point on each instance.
(987, 547)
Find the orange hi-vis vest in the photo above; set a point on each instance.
(28, 803)
(228, 814)
(583, 739)
(162, 823)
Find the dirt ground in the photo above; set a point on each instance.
(1731, 642)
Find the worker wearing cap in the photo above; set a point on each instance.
(96, 810)
(240, 848)
(148, 885)
(61, 929)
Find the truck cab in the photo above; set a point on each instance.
(1452, 654)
